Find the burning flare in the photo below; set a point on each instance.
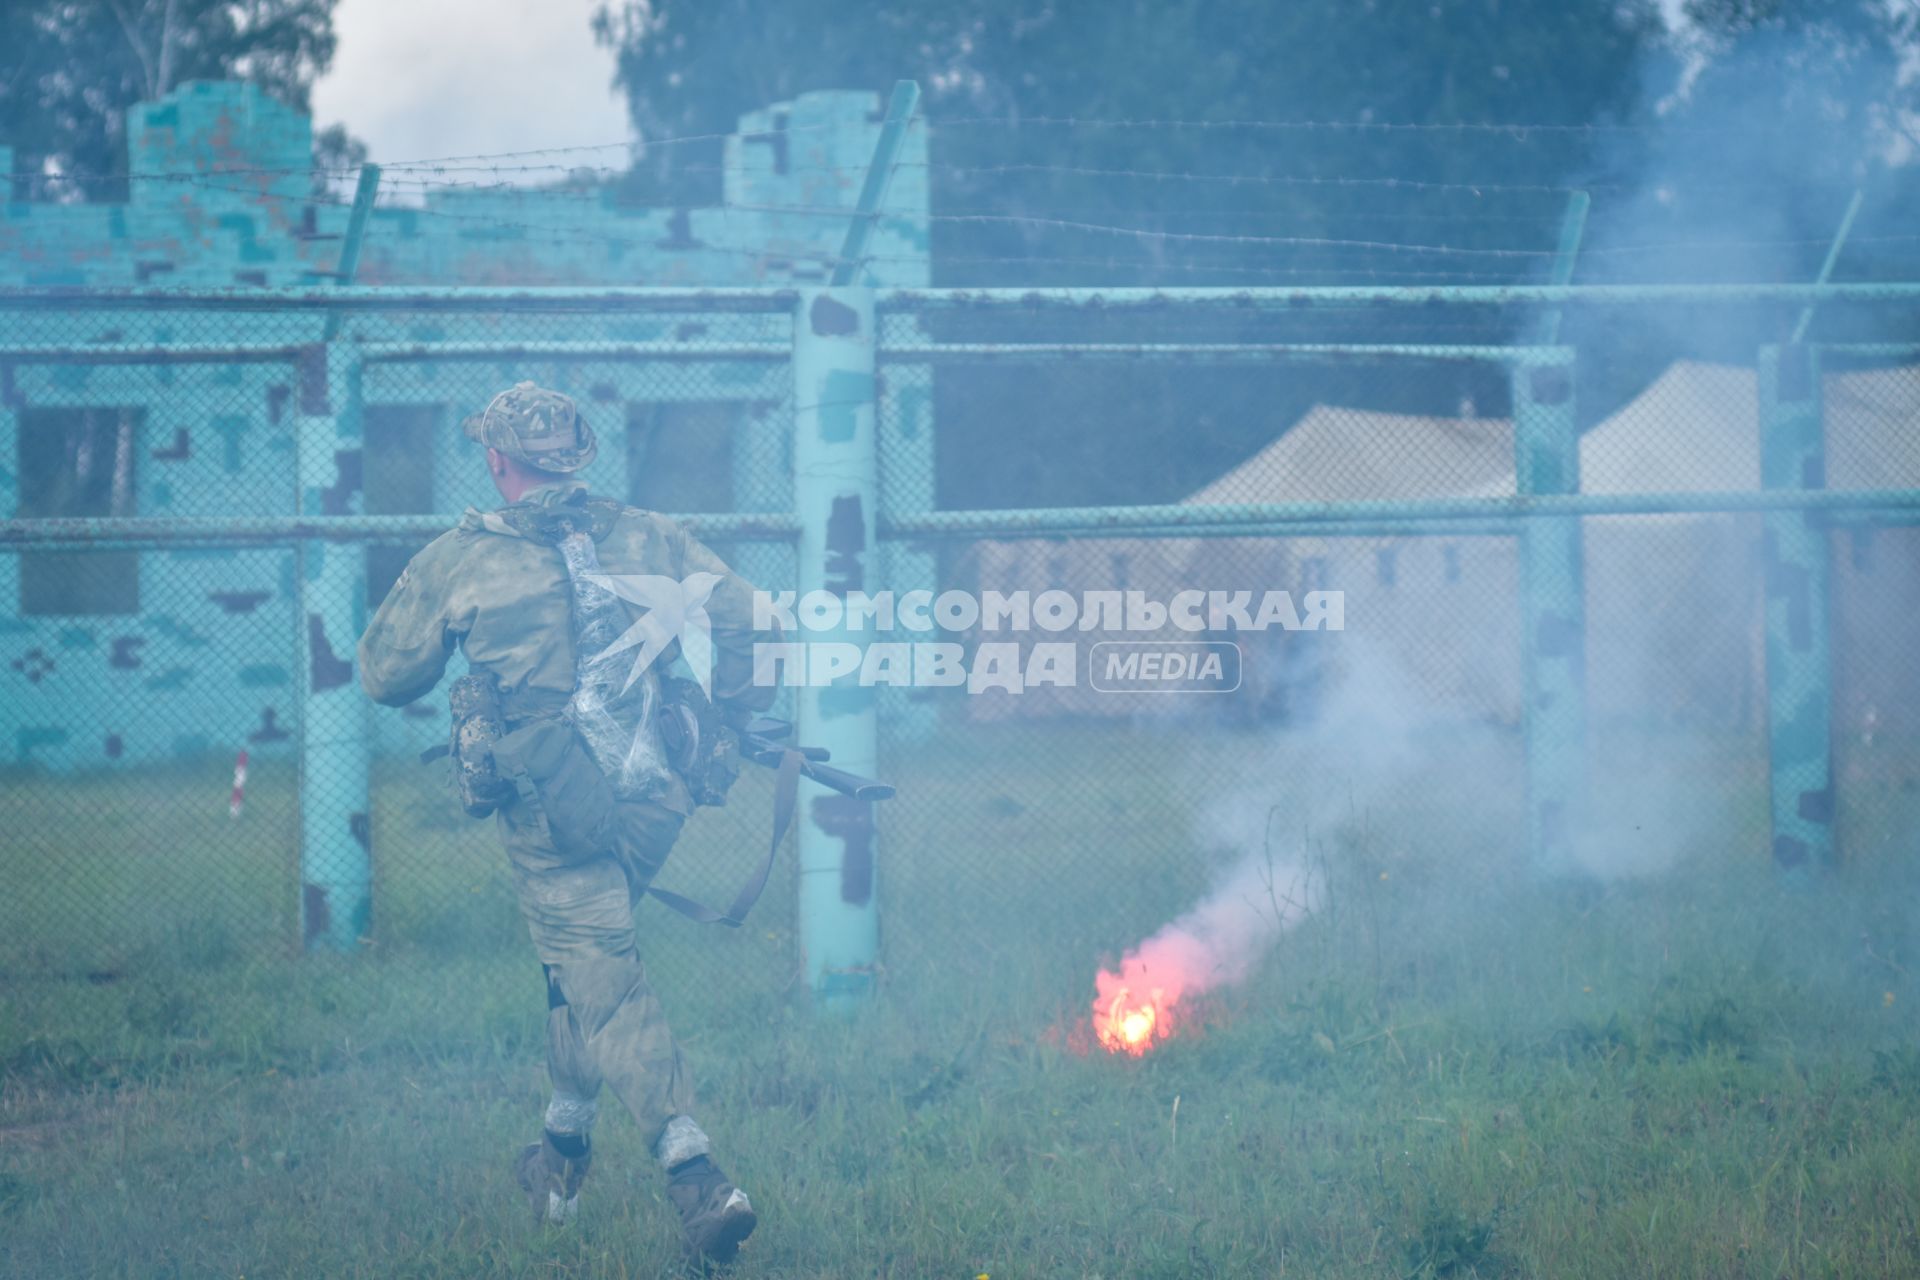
(1215, 943)
(1126, 1024)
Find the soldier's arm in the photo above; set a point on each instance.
(414, 632)
(730, 611)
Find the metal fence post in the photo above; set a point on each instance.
(1799, 661)
(1573, 226)
(906, 441)
(336, 865)
(835, 484)
(1546, 442)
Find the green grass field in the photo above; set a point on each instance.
(1445, 1071)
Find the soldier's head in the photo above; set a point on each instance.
(533, 437)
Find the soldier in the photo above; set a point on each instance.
(494, 588)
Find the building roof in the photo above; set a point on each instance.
(1334, 454)
(1695, 428)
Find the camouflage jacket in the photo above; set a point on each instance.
(485, 588)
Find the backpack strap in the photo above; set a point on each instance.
(786, 794)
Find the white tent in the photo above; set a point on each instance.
(1674, 602)
(1873, 442)
(1424, 600)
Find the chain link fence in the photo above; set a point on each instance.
(147, 891)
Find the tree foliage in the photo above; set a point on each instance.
(69, 69)
(1812, 89)
(690, 68)
(1165, 132)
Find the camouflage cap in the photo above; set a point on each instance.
(535, 427)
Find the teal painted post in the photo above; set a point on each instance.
(873, 190)
(336, 866)
(1546, 444)
(1799, 662)
(835, 480)
(1832, 260)
(905, 432)
(1573, 226)
(364, 192)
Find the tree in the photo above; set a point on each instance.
(69, 69)
(689, 67)
(1832, 80)
(1028, 103)
(336, 153)
(1784, 110)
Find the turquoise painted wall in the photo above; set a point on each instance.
(221, 198)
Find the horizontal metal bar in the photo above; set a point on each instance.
(162, 532)
(1252, 517)
(909, 352)
(1896, 349)
(1876, 518)
(913, 352)
(404, 298)
(1095, 299)
(1419, 527)
(1412, 527)
(1463, 517)
(657, 298)
(123, 353)
(388, 352)
(395, 352)
(921, 352)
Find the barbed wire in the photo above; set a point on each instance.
(343, 170)
(397, 176)
(599, 235)
(428, 177)
(1516, 129)
(841, 213)
(1336, 180)
(1201, 237)
(508, 190)
(564, 236)
(492, 161)
(555, 234)
(1153, 175)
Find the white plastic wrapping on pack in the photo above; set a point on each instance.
(617, 720)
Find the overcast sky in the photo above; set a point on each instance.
(420, 78)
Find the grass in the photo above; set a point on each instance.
(1445, 1071)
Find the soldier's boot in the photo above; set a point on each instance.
(715, 1215)
(551, 1178)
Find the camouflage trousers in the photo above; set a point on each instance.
(604, 1024)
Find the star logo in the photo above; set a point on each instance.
(676, 609)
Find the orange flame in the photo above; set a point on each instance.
(1216, 941)
(1125, 1024)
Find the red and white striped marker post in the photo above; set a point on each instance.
(239, 786)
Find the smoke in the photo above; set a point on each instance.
(1763, 124)
(1219, 941)
(1413, 758)
(1295, 788)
